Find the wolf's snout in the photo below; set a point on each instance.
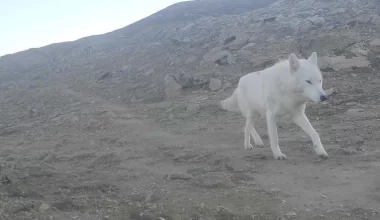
(323, 98)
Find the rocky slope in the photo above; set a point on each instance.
(125, 125)
(204, 39)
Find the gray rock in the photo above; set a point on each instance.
(357, 140)
(375, 20)
(193, 108)
(345, 151)
(339, 63)
(238, 166)
(324, 62)
(172, 87)
(149, 72)
(318, 21)
(44, 207)
(263, 62)
(215, 84)
(338, 11)
(375, 42)
(245, 55)
(305, 26)
(126, 68)
(363, 19)
(240, 41)
(359, 51)
(191, 59)
(291, 215)
(201, 79)
(184, 79)
(330, 91)
(219, 56)
(355, 112)
(179, 176)
(249, 46)
(351, 103)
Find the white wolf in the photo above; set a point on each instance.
(278, 91)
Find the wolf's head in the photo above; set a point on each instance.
(307, 77)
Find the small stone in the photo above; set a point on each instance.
(244, 54)
(172, 87)
(375, 20)
(149, 72)
(133, 99)
(249, 46)
(344, 151)
(125, 68)
(358, 140)
(339, 63)
(324, 62)
(193, 108)
(355, 111)
(215, 84)
(238, 166)
(239, 41)
(44, 207)
(363, 19)
(191, 59)
(291, 214)
(148, 197)
(351, 103)
(219, 57)
(274, 190)
(375, 42)
(338, 11)
(317, 20)
(329, 91)
(202, 205)
(179, 176)
(359, 51)
(186, 39)
(305, 26)
(261, 63)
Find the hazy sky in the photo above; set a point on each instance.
(28, 24)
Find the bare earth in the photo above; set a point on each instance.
(85, 157)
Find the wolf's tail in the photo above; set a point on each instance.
(231, 103)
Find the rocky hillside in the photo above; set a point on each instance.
(192, 42)
(124, 125)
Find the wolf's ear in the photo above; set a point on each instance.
(294, 63)
(313, 59)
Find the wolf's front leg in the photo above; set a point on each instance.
(304, 123)
(273, 136)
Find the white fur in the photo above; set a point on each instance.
(279, 91)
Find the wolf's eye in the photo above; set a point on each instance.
(308, 81)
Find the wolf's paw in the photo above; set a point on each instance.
(248, 147)
(280, 156)
(322, 153)
(323, 156)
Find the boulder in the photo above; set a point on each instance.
(215, 84)
(172, 87)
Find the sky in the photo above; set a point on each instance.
(28, 24)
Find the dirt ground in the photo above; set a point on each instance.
(67, 153)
